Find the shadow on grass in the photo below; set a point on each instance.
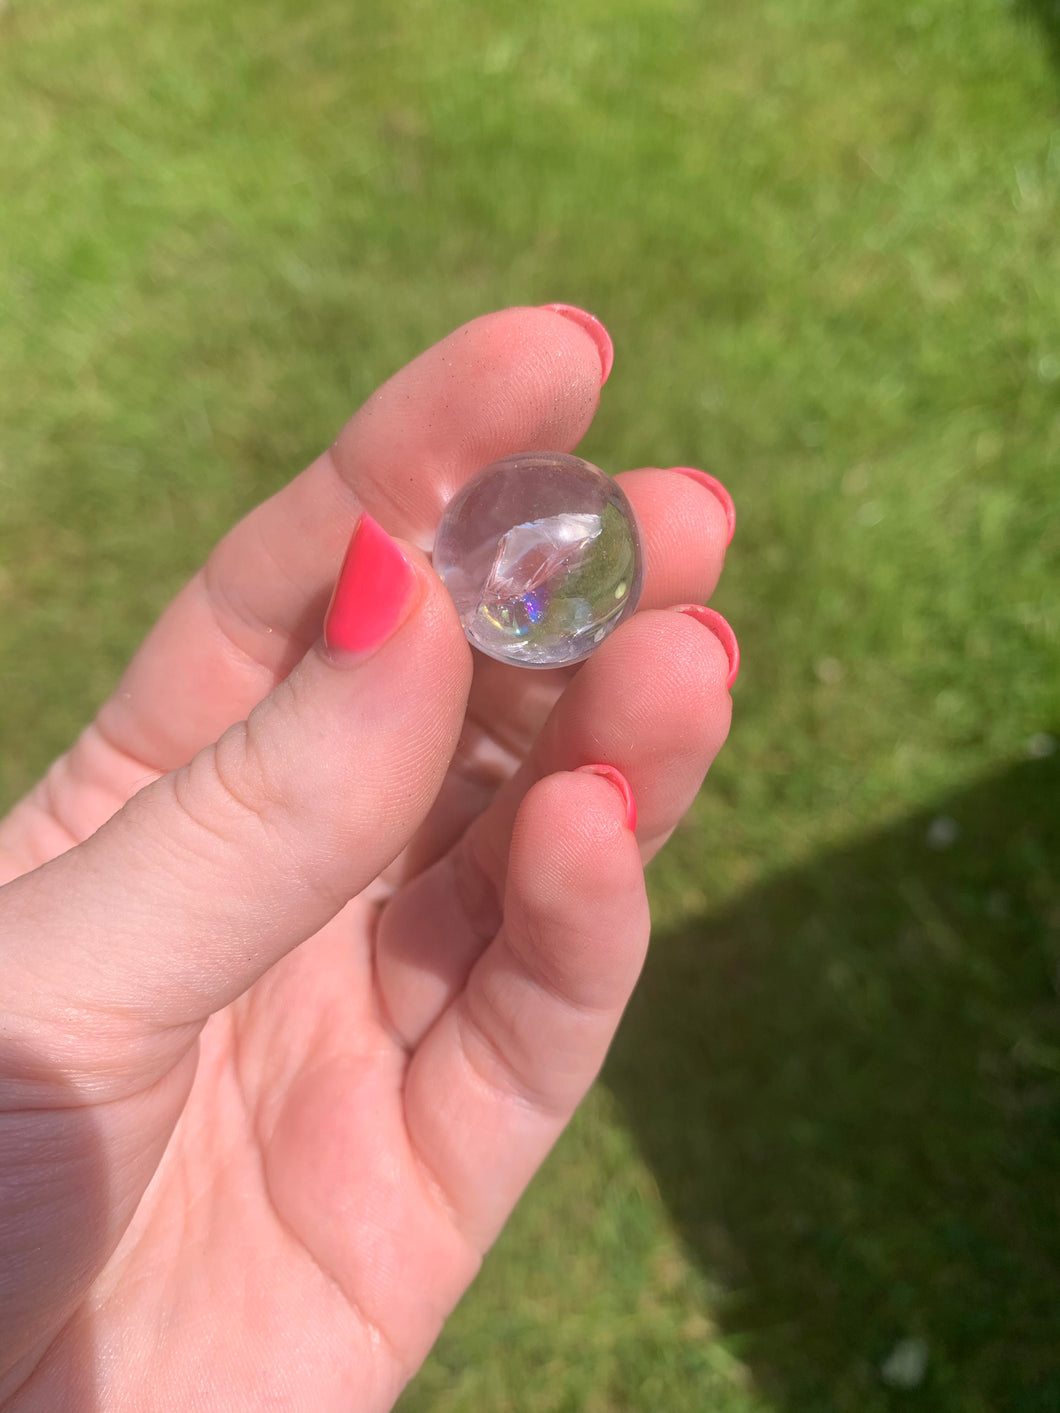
(1046, 14)
(848, 1087)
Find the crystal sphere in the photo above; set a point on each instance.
(541, 555)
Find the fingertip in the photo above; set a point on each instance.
(621, 785)
(720, 627)
(596, 331)
(718, 491)
(684, 532)
(575, 889)
(504, 381)
(573, 843)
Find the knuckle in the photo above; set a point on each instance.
(229, 786)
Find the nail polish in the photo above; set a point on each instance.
(621, 784)
(716, 489)
(712, 620)
(372, 592)
(596, 331)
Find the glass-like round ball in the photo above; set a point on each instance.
(541, 555)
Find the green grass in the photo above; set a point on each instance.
(824, 239)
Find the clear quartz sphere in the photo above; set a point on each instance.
(541, 555)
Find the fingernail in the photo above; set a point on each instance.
(372, 591)
(621, 784)
(710, 618)
(717, 489)
(596, 331)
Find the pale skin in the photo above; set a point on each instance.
(306, 962)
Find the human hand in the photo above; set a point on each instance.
(309, 955)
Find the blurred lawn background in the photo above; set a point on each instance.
(823, 1170)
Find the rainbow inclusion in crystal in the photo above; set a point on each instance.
(541, 555)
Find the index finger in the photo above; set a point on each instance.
(519, 378)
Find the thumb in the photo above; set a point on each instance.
(212, 873)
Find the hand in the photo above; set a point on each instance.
(308, 956)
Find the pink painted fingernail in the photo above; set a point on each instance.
(372, 592)
(596, 331)
(621, 784)
(716, 489)
(712, 619)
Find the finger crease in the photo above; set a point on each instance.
(513, 1085)
(478, 895)
(436, 1192)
